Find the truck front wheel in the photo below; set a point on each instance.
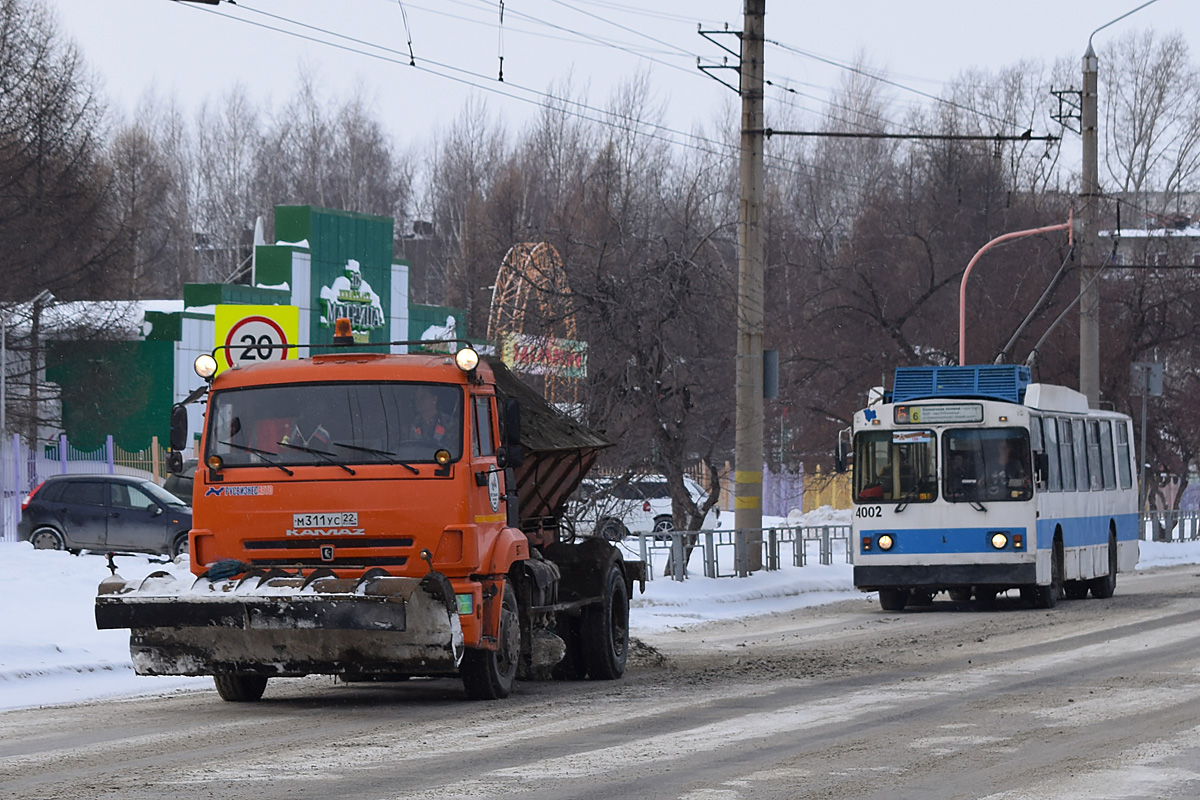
(240, 688)
(605, 629)
(489, 674)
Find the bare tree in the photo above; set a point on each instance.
(1152, 116)
(229, 157)
(462, 171)
(52, 187)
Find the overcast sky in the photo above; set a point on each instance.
(197, 52)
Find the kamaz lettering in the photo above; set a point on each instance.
(327, 532)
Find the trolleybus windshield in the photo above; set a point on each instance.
(898, 466)
(987, 464)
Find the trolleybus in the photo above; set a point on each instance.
(973, 480)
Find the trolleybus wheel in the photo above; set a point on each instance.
(1047, 596)
(1075, 590)
(1104, 586)
(893, 599)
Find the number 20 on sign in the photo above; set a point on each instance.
(254, 334)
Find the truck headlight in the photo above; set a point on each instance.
(466, 359)
(205, 366)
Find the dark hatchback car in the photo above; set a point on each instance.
(180, 483)
(106, 513)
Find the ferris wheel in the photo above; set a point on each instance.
(532, 303)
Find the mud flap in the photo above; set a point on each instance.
(271, 624)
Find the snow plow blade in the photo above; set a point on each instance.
(286, 625)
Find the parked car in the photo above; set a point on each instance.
(613, 508)
(180, 483)
(106, 513)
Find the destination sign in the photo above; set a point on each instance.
(940, 414)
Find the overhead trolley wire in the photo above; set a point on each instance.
(694, 141)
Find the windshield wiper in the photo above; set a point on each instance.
(975, 504)
(325, 454)
(389, 456)
(909, 496)
(257, 452)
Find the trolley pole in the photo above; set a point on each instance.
(748, 453)
(1089, 300)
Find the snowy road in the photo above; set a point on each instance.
(1094, 698)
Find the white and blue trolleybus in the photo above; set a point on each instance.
(973, 481)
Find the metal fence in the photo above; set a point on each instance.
(670, 553)
(1171, 526)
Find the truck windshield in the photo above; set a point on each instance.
(343, 423)
(987, 464)
(895, 466)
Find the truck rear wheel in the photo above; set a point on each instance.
(572, 667)
(489, 674)
(605, 629)
(240, 688)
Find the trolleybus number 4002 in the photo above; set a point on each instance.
(868, 511)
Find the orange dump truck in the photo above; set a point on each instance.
(378, 516)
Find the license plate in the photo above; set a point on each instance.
(325, 519)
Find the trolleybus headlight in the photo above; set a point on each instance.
(885, 541)
(999, 540)
(205, 366)
(466, 359)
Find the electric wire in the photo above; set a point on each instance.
(888, 81)
(697, 142)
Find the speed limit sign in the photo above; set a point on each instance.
(248, 335)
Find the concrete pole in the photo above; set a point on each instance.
(748, 454)
(1089, 301)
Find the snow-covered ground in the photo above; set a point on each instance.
(51, 652)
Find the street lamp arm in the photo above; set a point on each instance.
(1068, 226)
(1115, 21)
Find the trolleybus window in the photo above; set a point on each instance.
(987, 464)
(1053, 473)
(895, 466)
(1106, 454)
(1093, 454)
(1082, 481)
(1066, 451)
(1123, 455)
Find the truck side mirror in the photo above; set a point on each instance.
(512, 421)
(515, 455)
(179, 427)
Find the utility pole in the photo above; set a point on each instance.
(748, 451)
(1089, 299)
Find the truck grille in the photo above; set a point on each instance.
(330, 551)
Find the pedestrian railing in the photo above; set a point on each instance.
(669, 553)
(1171, 526)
